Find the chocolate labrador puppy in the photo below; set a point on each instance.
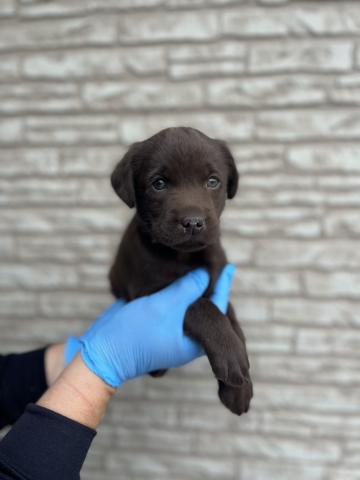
(178, 180)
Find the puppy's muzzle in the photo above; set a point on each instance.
(193, 224)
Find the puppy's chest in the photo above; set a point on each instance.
(160, 273)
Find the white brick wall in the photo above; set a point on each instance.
(278, 79)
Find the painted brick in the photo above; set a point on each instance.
(76, 31)
(69, 130)
(346, 222)
(330, 255)
(67, 248)
(63, 7)
(11, 130)
(320, 158)
(222, 50)
(298, 125)
(28, 162)
(238, 251)
(17, 304)
(314, 398)
(357, 56)
(6, 247)
(257, 470)
(260, 282)
(183, 70)
(251, 309)
(329, 342)
(154, 95)
(37, 277)
(70, 305)
(307, 451)
(339, 284)
(258, 159)
(267, 338)
(39, 98)
(94, 63)
(221, 58)
(304, 370)
(186, 467)
(253, 22)
(283, 222)
(290, 56)
(346, 90)
(167, 27)
(317, 21)
(140, 415)
(57, 192)
(277, 91)
(316, 312)
(295, 20)
(9, 67)
(92, 161)
(155, 440)
(279, 80)
(230, 126)
(344, 474)
(107, 128)
(7, 7)
(62, 220)
(314, 424)
(201, 3)
(73, 64)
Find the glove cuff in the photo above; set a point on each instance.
(72, 347)
(98, 368)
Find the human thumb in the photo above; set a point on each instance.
(186, 289)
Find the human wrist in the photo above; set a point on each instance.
(78, 394)
(54, 362)
(99, 366)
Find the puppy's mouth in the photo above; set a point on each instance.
(191, 245)
(186, 242)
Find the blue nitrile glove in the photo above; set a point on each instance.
(147, 334)
(73, 344)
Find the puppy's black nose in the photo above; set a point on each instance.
(193, 224)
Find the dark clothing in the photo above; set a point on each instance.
(42, 444)
(22, 381)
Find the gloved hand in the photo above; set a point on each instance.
(73, 344)
(146, 334)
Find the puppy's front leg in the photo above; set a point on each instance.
(226, 351)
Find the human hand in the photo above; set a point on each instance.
(73, 343)
(129, 340)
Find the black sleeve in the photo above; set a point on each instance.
(22, 381)
(44, 445)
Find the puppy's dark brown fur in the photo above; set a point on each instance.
(179, 180)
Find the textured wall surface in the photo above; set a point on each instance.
(280, 81)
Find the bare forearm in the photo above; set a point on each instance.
(78, 394)
(54, 362)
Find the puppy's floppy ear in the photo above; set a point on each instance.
(233, 175)
(122, 178)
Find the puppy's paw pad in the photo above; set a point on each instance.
(236, 399)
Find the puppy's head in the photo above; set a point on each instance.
(178, 180)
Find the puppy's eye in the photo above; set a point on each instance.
(213, 182)
(159, 184)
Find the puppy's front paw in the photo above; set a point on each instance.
(229, 361)
(236, 399)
